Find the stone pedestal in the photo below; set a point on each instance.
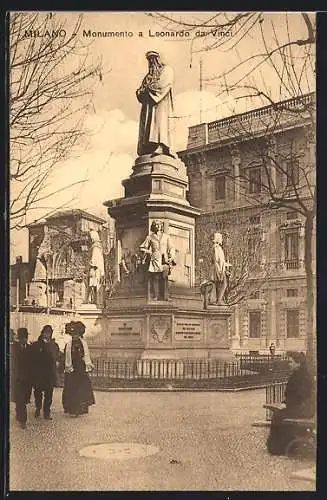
(180, 327)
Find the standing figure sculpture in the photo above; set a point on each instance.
(155, 95)
(160, 254)
(96, 273)
(218, 268)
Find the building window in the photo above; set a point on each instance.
(292, 250)
(291, 215)
(255, 324)
(292, 292)
(292, 173)
(254, 176)
(255, 294)
(255, 220)
(254, 246)
(220, 187)
(292, 323)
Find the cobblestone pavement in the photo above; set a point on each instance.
(205, 441)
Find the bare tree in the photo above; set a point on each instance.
(245, 249)
(280, 174)
(51, 83)
(279, 66)
(67, 253)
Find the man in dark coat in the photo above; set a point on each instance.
(299, 400)
(20, 373)
(45, 357)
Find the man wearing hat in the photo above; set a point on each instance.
(45, 357)
(155, 95)
(21, 375)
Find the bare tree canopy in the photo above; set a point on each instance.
(244, 246)
(272, 64)
(51, 80)
(263, 56)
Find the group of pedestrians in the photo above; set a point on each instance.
(34, 367)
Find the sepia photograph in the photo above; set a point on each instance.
(162, 282)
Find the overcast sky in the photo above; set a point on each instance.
(113, 119)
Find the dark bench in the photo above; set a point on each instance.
(303, 441)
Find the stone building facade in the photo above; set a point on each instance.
(229, 164)
(20, 277)
(60, 255)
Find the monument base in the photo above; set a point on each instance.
(143, 329)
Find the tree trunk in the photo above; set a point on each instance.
(311, 335)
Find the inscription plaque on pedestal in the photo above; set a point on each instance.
(125, 330)
(188, 329)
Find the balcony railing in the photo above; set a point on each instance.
(292, 264)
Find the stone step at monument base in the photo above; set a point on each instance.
(188, 354)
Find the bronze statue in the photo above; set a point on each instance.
(160, 257)
(155, 95)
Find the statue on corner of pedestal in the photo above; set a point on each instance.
(220, 270)
(159, 257)
(96, 272)
(218, 274)
(155, 95)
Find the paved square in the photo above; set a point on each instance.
(205, 439)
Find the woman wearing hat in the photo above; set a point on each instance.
(77, 395)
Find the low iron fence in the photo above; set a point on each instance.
(262, 362)
(183, 373)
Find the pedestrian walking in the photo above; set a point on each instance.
(299, 403)
(272, 350)
(77, 394)
(21, 383)
(45, 357)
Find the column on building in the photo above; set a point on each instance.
(236, 165)
(245, 327)
(264, 330)
(272, 156)
(301, 246)
(196, 170)
(201, 163)
(281, 235)
(236, 340)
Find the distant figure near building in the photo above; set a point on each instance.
(219, 268)
(160, 257)
(272, 349)
(155, 95)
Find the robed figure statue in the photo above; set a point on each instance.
(155, 95)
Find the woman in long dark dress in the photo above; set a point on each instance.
(77, 394)
(299, 403)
